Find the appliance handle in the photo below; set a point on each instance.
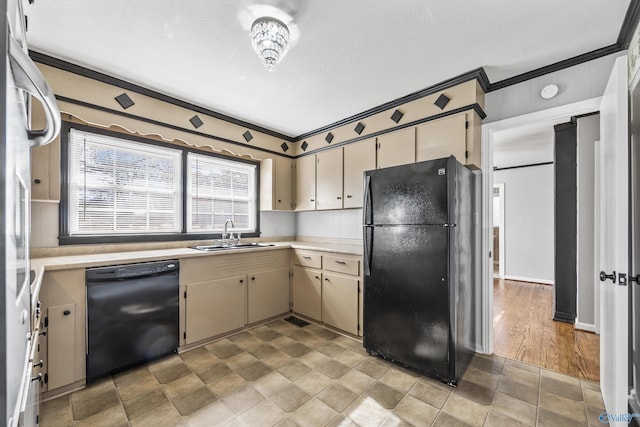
(30, 79)
(368, 246)
(367, 201)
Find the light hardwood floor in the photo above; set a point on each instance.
(523, 330)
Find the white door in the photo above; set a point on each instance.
(614, 240)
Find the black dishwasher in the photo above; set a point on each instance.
(132, 315)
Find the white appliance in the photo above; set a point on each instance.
(18, 393)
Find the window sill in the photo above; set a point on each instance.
(142, 238)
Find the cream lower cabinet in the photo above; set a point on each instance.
(326, 287)
(215, 307)
(63, 302)
(267, 294)
(225, 292)
(340, 301)
(306, 292)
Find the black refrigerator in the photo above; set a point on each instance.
(419, 271)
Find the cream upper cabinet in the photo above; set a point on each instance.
(45, 162)
(397, 148)
(329, 179)
(305, 183)
(442, 138)
(282, 194)
(275, 184)
(358, 157)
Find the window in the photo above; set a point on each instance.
(220, 190)
(118, 189)
(122, 187)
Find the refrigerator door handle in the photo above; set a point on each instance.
(368, 246)
(367, 201)
(30, 79)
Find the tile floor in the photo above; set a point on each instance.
(281, 374)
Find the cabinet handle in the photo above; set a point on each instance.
(349, 196)
(37, 378)
(306, 257)
(39, 364)
(341, 262)
(317, 278)
(326, 279)
(279, 201)
(37, 181)
(339, 198)
(253, 278)
(241, 281)
(43, 333)
(312, 200)
(66, 312)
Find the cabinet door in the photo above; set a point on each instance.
(358, 157)
(442, 138)
(268, 294)
(45, 162)
(306, 287)
(282, 193)
(61, 345)
(340, 302)
(329, 179)
(215, 307)
(306, 183)
(397, 148)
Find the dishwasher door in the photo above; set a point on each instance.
(132, 315)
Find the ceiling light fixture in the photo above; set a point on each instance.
(270, 39)
(549, 91)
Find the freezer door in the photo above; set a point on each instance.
(406, 297)
(409, 194)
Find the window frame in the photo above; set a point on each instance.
(64, 238)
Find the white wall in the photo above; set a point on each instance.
(529, 223)
(577, 83)
(338, 224)
(277, 224)
(588, 134)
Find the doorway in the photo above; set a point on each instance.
(518, 304)
(498, 230)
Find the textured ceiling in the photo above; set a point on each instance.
(349, 55)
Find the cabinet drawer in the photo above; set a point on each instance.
(342, 264)
(307, 259)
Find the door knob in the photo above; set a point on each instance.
(604, 276)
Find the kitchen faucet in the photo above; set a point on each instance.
(226, 223)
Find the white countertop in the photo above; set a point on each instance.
(97, 260)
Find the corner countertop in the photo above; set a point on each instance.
(103, 259)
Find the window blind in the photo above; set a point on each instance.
(119, 186)
(220, 190)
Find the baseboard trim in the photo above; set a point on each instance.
(529, 279)
(585, 326)
(564, 317)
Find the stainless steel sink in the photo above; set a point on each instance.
(227, 247)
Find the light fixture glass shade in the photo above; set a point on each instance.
(270, 39)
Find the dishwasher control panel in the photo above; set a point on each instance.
(130, 271)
